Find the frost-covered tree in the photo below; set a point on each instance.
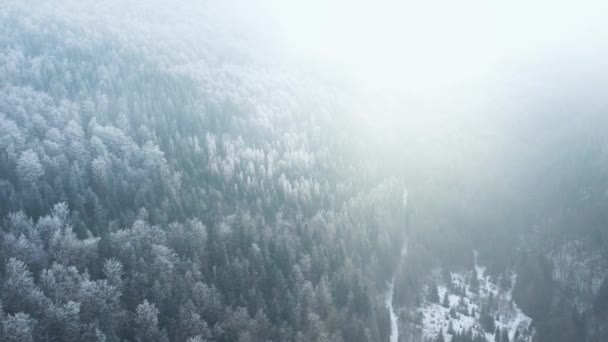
(18, 328)
(29, 168)
(146, 320)
(19, 292)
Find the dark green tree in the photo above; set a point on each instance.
(446, 300)
(433, 293)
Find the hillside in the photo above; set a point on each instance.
(206, 171)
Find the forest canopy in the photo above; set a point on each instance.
(186, 172)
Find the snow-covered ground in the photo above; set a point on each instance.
(507, 315)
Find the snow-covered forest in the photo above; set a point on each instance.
(167, 173)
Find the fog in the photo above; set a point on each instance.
(198, 170)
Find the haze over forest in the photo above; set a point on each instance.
(328, 171)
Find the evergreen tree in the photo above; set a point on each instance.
(469, 334)
(453, 313)
(18, 328)
(462, 306)
(447, 278)
(433, 295)
(446, 300)
(505, 335)
(146, 320)
(487, 320)
(474, 287)
(440, 337)
(451, 328)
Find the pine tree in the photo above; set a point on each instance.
(491, 303)
(146, 320)
(18, 328)
(29, 168)
(447, 279)
(505, 335)
(487, 320)
(470, 334)
(440, 337)
(475, 282)
(463, 306)
(446, 300)
(451, 328)
(453, 313)
(433, 293)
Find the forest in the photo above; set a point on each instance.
(200, 188)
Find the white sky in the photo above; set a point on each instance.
(436, 41)
(443, 53)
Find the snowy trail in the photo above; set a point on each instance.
(394, 337)
(389, 301)
(389, 305)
